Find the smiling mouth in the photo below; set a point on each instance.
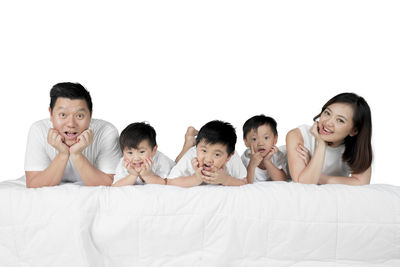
(326, 131)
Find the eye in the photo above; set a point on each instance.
(203, 150)
(266, 138)
(142, 151)
(326, 112)
(129, 152)
(80, 116)
(217, 155)
(340, 120)
(253, 139)
(62, 115)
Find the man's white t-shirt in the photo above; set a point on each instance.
(104, 153)
(260, 175)
(162, 165)
(234, 167)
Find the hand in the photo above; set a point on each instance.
(83, 141)
(304, 154)
(255, 158)
(197, 170)
(146, 171)
(215, 176)
(129, 167)
(273, 150)
(315, 132)
(57, 141)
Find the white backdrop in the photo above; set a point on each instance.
(180, 63)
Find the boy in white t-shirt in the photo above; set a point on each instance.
(262, 158)
(212, 161)
(141, 162)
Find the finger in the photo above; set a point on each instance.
(251, 150)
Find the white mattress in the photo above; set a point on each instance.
(264, 224)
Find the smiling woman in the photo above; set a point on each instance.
(337, 148)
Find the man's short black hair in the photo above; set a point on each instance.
(254, 122)
(70, 91)
(218, 132)
(135, 133)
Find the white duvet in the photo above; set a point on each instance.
(265, 224)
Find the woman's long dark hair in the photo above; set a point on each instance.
(358, 149)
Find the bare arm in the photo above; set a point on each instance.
(49, 177)
(187, 181)
(128, 180)
(299, 170)
(275, 173)
(355, 179)
(89, 174)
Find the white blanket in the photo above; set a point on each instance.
(265, 224)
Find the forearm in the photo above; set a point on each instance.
(275, 173)
(51, 176)
(312, 172)
(89, 174)
(128, 180)
(153, 179)
(250, 174)
(187, 181)
(232, 181)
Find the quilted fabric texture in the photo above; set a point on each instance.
(264, 224)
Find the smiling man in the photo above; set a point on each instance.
(71, 146)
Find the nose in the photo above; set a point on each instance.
(71, 121)
(208, 160)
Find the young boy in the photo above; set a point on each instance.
(141, 162)
(262, 158)
(212, 161)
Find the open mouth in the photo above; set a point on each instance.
(71, 135)
(207, 167)
(261, 150)
(325, 131)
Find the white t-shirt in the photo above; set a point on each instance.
(234, 167)
(260, 175)
(162, 165)
(333, 165)
(104, 153)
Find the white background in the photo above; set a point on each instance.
(181, 63)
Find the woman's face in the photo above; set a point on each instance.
(336, 123)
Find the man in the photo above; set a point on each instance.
(71, 146)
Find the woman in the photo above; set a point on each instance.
(336, 149)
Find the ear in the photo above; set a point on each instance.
(275, 139)
(229, 157)
(245, 142)
(154, 150)
(50, 111)
(353, 132)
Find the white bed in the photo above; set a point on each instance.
(265, 224)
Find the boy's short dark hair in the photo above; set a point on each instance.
(254, 122)
(218, 132)
(71, 91)
(135, 133)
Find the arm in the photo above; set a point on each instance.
(147, 174)
(189, 181)
(255, 160)
(355, 179)
(299, 170)
(128, 180)
(222, 177)
(275, 173)
(89, 174)
(53, 174)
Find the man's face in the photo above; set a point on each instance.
(211, 155)
(70, 117)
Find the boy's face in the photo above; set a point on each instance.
(137, 155)
(261, 140)
(70, 117)
(211, 155)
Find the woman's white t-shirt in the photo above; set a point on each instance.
(333, 165)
